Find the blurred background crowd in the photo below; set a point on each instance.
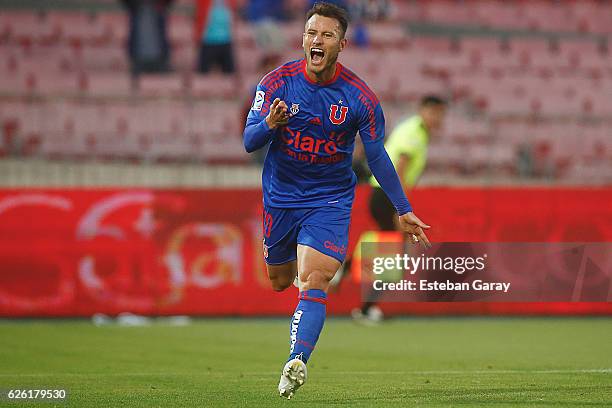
(90, 85)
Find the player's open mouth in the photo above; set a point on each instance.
(316, 55)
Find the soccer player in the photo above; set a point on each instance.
(308, 111)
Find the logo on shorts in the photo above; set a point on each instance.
(295, 108)
(333, 114)
(267, 224)
(339, 250)
(265, 249)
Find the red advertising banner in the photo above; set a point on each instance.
(76, 252)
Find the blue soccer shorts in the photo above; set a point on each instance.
(324, 229)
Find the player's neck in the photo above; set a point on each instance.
(324, 76)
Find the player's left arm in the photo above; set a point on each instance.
(372, 132)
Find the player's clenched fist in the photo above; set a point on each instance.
(279, 114)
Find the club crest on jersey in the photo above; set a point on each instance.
(335, 117)
(295, 108)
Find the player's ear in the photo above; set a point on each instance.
(343, 43)
(303, 40)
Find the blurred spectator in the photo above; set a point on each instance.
(360, 36)
(213, 28)
(363, 11)
(266, 16)
(148, 45)
(371, 10)
(524, 160)
(258, 10)
(407, 147)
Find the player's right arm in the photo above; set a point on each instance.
(263, 119)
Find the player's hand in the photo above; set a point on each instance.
(411, 224)
(278, 115)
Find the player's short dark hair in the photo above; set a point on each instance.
(433, 100)
(332, 11)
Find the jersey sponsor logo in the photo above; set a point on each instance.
(311, 149)
(339, 250)
(260, 96)
(295, 108)
(307, 143)
(335, 117)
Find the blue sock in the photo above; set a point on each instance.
(307, 323)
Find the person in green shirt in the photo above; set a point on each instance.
(407, 148)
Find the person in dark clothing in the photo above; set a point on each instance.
(148, 45)
(214, 35)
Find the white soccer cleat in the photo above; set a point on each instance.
(293, 377)
(375, 314)
(373, 318)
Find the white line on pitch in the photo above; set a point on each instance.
(416, 372)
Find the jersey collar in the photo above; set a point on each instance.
(339, 68)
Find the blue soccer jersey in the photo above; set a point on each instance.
(309, 162)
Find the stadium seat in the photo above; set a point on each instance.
(508, 104)
(549, 16)
(181, 30)
(115, 26)
(448, 12)
(183, 58)
(387, 34)
(185, 116)
(76, 28)
(407, 11)
(483, 45)
(432, 44)
(530, 46)
(26, 28)
(248, 59)
(109, 84)
(244, 35)
(499, 14)
(103, 58)
(156, 85)
(214, 85)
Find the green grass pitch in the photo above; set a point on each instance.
(236, 362)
